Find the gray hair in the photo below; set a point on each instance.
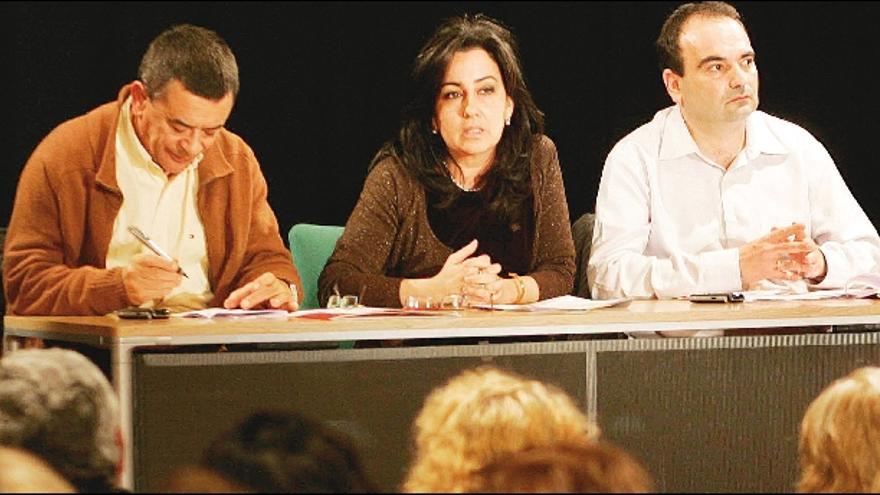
(195, 56)
(59, 405)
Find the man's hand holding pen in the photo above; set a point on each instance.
(149, 277)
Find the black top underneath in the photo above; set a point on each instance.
(469, 218)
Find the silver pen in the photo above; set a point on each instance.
(146, 241)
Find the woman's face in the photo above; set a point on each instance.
(472, 107)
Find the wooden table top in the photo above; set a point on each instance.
(637, 315)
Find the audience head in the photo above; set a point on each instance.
(23, 472)
(468, 75)
(199, 479)
(583, 467)
(482, 415)
(840, 436)
(277, 452)
(58, 405)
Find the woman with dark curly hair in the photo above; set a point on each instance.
(468, 198)
(276, 452)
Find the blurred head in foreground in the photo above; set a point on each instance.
(60, 406)
(23, 472)
(583, 467)
(280, 452)
(840, 436)
(481, 416)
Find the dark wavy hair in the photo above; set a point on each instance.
(421, 153)
(284, 452)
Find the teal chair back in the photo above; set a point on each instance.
(311, 245)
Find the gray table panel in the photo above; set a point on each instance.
(720, 419)
(182, 401)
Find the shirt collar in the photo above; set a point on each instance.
(676, 140)
(760, 139)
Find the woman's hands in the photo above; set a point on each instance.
(462, 273)
(476, 277)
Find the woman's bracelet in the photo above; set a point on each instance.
(520, 288)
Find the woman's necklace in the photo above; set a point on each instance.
(465, 189)
(460, 186)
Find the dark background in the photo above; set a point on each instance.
(322, 83)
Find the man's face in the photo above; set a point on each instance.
(177, 125)
(720, 81)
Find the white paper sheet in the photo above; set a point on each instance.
(860, 286)
(234, 313)
(769, 295)
(561, 303)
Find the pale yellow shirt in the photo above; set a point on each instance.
(164, 209)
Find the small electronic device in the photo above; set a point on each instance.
(720, 297)
(143, 313)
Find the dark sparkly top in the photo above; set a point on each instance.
(469, 218)
(388, 236)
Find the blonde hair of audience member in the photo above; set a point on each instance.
(481, 415)
(583, 467)
(60, 406)
(23, 472)
(840, 436)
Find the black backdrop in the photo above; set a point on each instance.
(322, 83)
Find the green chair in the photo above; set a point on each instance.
(311, 245)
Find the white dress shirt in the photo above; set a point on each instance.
(164, 209)
(669, 221)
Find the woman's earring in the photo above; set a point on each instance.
(434, 131)
(507, 122)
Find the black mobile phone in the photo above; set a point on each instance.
(721, 297)
(143, 313)
(161, 313)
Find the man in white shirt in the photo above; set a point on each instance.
(715, 196)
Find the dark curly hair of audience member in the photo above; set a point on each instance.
(275, 452)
